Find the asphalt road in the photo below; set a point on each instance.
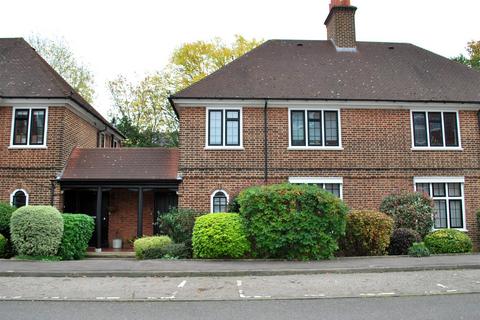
(460, 306)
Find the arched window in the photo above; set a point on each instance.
(219, 201)
(19, 198)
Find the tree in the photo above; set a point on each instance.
(61, 58)
(473, 59)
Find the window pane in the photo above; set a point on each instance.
(298, 128)
(331, 128)
(451, 131)
(21, 127)
(19, 199)
(456, 220)
(314, 128)
(220, 202)
(438, 189)
(37, 126)
(420, 129)
(333, 188)
(233, 128)
(435, 125)
(440, 214)
(423, 188)
(454, 190)
(215, 128)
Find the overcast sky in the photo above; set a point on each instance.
(136, 37)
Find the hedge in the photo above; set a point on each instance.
(36, 230)
(148, 243)
(219, 235)
(289, 221)
(77, 232)
(402, 239)
(368, 233)
(6, 211)
(448, 241)
(171, 251)
(3, 246)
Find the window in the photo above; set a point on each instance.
(29, 127)
(19, 198)
(448, 198)
(333, 185)
(435, 129)
(224, 128)
(314, 128)
(219, 201)
(101, 140)
(115, 143)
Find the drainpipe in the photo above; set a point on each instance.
(265, 141)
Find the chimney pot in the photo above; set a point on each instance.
(339, 3)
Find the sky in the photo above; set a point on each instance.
(132, 38)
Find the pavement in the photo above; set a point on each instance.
(219, 268)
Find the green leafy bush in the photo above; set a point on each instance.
(368, 233)
(418, 249)
(77, 231)
(291, 221)
(401, 240)
(146, 243)
(36, 230)
(448, 241)
(3, 246)
(219, 235)
(173, 250)
(6, 211)
(411, 210)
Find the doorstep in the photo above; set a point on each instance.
(108, 253)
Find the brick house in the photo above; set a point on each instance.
(360, 119)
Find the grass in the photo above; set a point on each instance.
(39, 258)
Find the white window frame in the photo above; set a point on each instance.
(412, 129)
(318, 180)
(446, 180)
(45, 131)
(307, 147)
(102, 140)
(13, 194)
(213, 195)
(224, 126)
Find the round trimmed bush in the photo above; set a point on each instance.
(219, 235)
(448, 241)
(411, 210)
(402, 239)
(368, 233)
(289, 221)
(149, 243)
(36, 230)
(6, 211)
(77, 232)
(3, 245)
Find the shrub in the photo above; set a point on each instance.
(146, 243)
(402, 239)
(77, 231)
(368, 233)
(36, 230)
(6, 211)
(418, 249)
(3, 246)
(411, 210)
(173, 250)
(448, 241)
(219, 235)
(290, 221)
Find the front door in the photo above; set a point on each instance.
(164, 201)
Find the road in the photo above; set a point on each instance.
(460, 306)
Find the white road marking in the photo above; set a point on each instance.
(377, 294)
(16, 297)
(314, 295)
(182, 284)
(100, 298)
(239, 283)
(113, 298)
(442, 286)
(451, 290)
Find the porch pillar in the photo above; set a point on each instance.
(140, 213)
(98, 220)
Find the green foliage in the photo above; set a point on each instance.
(401, 240)
(170, 251)
(448, 241)
(77, 231)
(146, 243)
(3, 246)
(178, 224)
(36, 230)
(368, 233)
(418, 249)
(6, 211)
(290, 221)
(219, 235)
(473, 59)
(410, 210)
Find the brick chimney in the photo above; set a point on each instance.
(341, 25)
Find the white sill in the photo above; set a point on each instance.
(27, 147)
(316, 148)
(437, 149)
(462, 230)
(238, 148)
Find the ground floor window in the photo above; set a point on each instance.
(19, 198)
(219, 201)
(448, 198)
(333, 185)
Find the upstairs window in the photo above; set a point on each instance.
(29, 126)
(435, 130)
(219, 201)
(314, 128)
(19, 198)
(224, 128)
